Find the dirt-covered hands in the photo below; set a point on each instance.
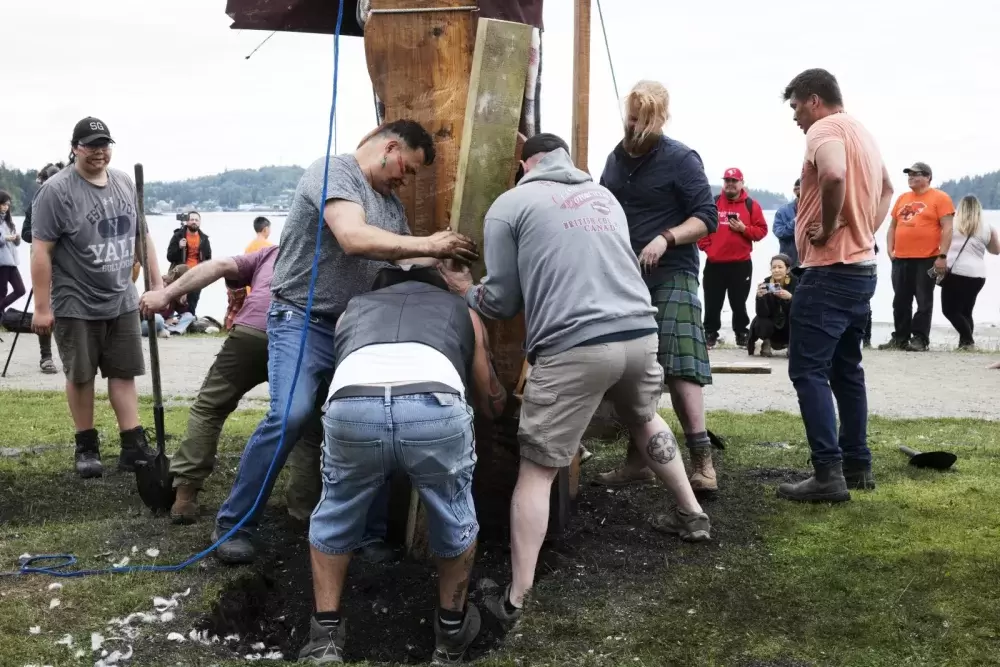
(651, 254)
(452, 245)
(457, 275)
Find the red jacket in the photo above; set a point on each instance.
(725, 245)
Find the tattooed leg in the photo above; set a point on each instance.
(658, 448)
(453, 579)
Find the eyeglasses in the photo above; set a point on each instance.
(917, 173)
(93, 148)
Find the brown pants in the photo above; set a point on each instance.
(113, 346)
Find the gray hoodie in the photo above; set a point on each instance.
(8, 250)
(558, 245)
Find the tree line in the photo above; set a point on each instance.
(985, 187)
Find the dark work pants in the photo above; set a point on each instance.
(734, 278)
(958, 299)
(910, 281)
(193, 298)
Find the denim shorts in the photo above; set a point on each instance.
(427, 436)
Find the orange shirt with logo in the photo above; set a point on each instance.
(854, 239)
(918, 223)
(193, 242)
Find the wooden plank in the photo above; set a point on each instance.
(580, 139)
(492, 116)
(743, 367)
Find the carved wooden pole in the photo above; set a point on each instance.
(581, 83)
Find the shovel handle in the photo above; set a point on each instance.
(908, 451)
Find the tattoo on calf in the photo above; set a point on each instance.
(662, 447)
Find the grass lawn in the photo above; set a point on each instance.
(905, 575)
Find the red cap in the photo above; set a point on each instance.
(733, 172)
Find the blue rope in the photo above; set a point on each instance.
(63, 561)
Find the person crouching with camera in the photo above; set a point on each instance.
(774, 298)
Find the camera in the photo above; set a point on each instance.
(182, 217)
(772, 288)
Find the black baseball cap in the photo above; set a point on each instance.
(542, 143)
(90, 130)
(921, 167)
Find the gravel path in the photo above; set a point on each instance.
(930, 384)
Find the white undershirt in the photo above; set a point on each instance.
(395, 363)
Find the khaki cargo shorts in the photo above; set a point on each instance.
(113, 346)
(564, 391)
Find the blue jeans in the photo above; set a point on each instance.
(160, 325)
(829, 312)
(284, 332)
(427, 436)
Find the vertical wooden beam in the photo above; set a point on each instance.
(581, 84)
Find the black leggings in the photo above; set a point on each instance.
(9, 275)
(958, 298)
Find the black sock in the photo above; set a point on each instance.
(451, 621)
(697, 440)
(328, 619)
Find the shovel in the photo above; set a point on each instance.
(153, 478)
(933, 460)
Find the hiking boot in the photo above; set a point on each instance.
(741, 339)
(858, 475)
(623, 477)
(185, 508)
(495, 603)
(689, 526)
(47, 366)
(135, 449)
(703, 479)
(237, 550)
(895, 344)
(88, 454)
(765, 349)
(827, 485)
(917, 345)
(325, 645)
(711, 340)
(449, 648)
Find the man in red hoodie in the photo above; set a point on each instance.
(727, 266)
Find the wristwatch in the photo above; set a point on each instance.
(942, 256)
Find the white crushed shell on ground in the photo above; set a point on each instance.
(186, 593)
(200, 637)
(54, 602)
(24, 557)
(163, 604)
(166, 617)
(175, 637)
(79, 653)
(152, 553)
(55, 587)
(35, 630)
(252, 657)
(67, 640)
(231, 638)
(96, 640)
(135, 549)
(274, 655)
(259, 646)
(122, 563)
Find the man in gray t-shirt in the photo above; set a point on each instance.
(84, 235)
(364, 229)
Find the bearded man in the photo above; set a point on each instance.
(662, 186)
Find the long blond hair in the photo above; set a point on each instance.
(969, 218)
(650, 102)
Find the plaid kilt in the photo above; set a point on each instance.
(683, 353)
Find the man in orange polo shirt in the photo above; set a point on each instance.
(845, 196)
(918, 240)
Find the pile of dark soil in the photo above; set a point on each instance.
(389, 608)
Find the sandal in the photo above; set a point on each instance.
(48, 367)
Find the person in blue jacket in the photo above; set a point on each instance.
(784, 227)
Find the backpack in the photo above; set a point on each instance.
(16, 321)
(749, 203)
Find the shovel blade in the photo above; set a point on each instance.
(934, 460)
(155, 484)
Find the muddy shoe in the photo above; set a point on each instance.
(135, 449)
(827, 485)
(895, 344)
(858, 475)
(185, 508)
(765, 349)
(325, 645)
(703, 479)
(88, 454)
(378, 552)
(450, 647)
(711, 340)
(624, 477)
(237, 550)
(689, 526)
(917, 345)
(47, 366)
(741, 339)
(495, 601)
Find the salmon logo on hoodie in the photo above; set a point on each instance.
(908, 212)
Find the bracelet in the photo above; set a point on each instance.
(669, 238)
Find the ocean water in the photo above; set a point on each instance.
(231, 232)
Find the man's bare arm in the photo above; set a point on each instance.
(202, 275)
(689, 231)
(885, 201)
(41, 273)
(947, 229)
(490, 396)
(831, 168)
(155, 278)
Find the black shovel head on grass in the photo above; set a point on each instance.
(933, 460)
(155, 483)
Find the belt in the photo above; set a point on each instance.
(378, 391)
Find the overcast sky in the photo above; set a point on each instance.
(171, 81)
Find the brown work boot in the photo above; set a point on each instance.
(703, 472)
(185, 508)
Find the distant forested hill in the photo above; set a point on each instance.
(768, 200)
(271, 186)
(20, 184)
(985, 187)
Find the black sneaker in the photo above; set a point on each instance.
(495, 602)
(135, 449)
(711, 340)
(237, 550)
(895, 344)
(742, 339)
(88, 454)
(917, 345)
(449, 648)
(325, 645)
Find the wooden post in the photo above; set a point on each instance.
(581, 84)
